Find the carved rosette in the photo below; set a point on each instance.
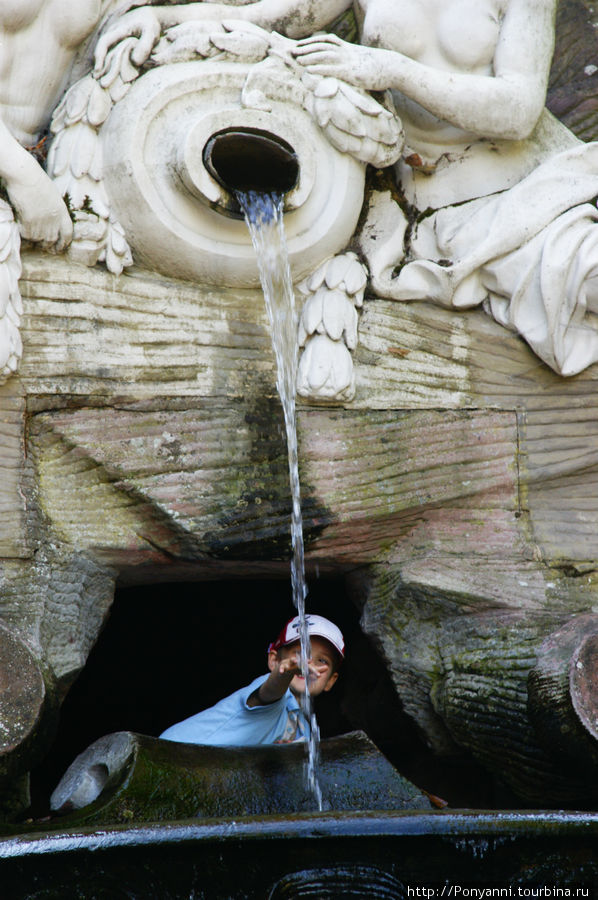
(175, 214)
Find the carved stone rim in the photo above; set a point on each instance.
(200, 181)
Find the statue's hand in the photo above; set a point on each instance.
(140, 23)
(332, 57)
(40, 211)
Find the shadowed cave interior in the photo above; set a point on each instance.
(169, 650)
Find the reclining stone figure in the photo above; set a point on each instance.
(498, 196)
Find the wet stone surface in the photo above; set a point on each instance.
(367, 854)
(151, 780)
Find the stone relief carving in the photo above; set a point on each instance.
(486, 205)
(103, 143)
(496, 193)
(472, 107)
(119, 137)
(40, 40)
(328, 328)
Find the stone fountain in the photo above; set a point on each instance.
(447, 379)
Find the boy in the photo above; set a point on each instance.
(268, 711)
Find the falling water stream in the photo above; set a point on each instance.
(264, 216)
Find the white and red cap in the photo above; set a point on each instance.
(317, 626)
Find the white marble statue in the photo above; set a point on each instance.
(498, 195)
(40, 39)
(498, 204)
(124, 129)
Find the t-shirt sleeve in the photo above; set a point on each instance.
(231, 722)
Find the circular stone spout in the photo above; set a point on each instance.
(180, 142)
(251, 160)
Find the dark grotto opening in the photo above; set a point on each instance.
(170, 650)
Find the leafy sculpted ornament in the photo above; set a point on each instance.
(328, 328)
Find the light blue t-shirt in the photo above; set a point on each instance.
(232, 723)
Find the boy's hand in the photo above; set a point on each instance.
(280, 678)
(292, 666)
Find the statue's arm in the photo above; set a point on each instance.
(504, 104)
(295, 18)
(39, 209)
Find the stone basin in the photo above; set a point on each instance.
(373, 854)
(126, 777)
(253, 835)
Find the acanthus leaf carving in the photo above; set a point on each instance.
(328, 328)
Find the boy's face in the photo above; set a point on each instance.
(322, 658)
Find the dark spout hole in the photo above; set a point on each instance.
(251, 160)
